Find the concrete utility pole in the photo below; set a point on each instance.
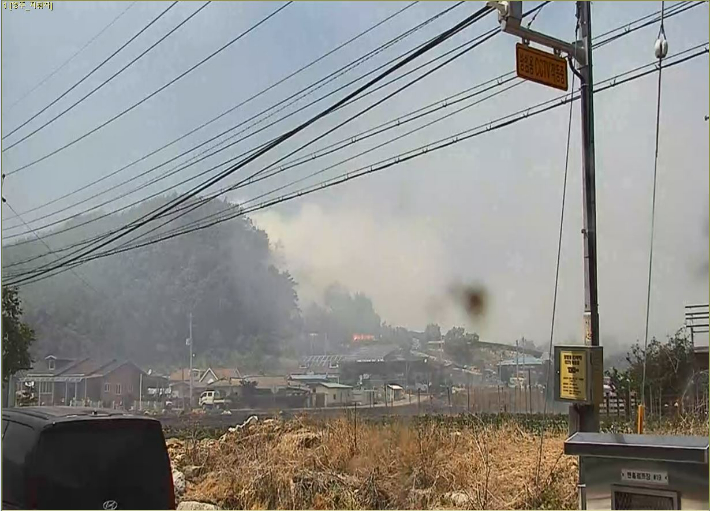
(586, 417)
(582, 417)
(189, 343)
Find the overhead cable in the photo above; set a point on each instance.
(153, 21)
(661, 49)
(158, 212)
(203, 156)
(500, 123)
(149, 96)
(66, 62)
(106, 81)
(624, 29)
(295, 97)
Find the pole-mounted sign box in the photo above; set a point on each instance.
(541, 67)
(579, 374)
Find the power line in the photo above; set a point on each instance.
(49, 249)
(675, 10)
(532, 20)
(91, 240)
(398, 159)
(625, 29)
(64, 64)
(189, 208)
(197, 159)
(108, 80)
(323, 81)
(532, 10)
(158, 212)
(661, 49)
(429, 109)
(163, 13)
(484, 128)
(454, 139)
(152, 94)
(187, 165)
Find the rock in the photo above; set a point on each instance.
(251, 420)
(173, 442)
(178, 483)
(195, 506)
(457, 498)
(191, 471)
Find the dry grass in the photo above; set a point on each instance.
(436, 463)
(302, 465)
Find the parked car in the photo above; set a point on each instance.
(78, 458)
(212, 399)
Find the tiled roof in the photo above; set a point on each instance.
(84, 368)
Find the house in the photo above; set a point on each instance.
(311, 379)
(375, 365)
(202, 379)
(110, 384)
(331, 394)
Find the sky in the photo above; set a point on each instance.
(484, 212)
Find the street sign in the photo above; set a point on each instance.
(573, 375)
(579, 374)
(541, 67)
(644, 476)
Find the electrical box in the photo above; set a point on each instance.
(579, 374)
(619, 471)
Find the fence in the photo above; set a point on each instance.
(503, 399)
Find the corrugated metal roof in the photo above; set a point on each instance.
(527, 361)
(309, 377)
(322, 360)
(373, 353)
(331, 385)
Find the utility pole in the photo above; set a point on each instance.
(517, 377)
(581, 417)
(189, 343)
(517, 364)
(586, 417)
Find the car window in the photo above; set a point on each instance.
(4, 427)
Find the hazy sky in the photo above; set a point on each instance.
(484, 212)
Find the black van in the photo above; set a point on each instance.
(77, 458)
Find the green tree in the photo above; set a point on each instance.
(242, 305)
(343, 315)
(460, 346)
(17, 337)
(669, 368)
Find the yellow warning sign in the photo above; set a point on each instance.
(541, 67)
(573, 375)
